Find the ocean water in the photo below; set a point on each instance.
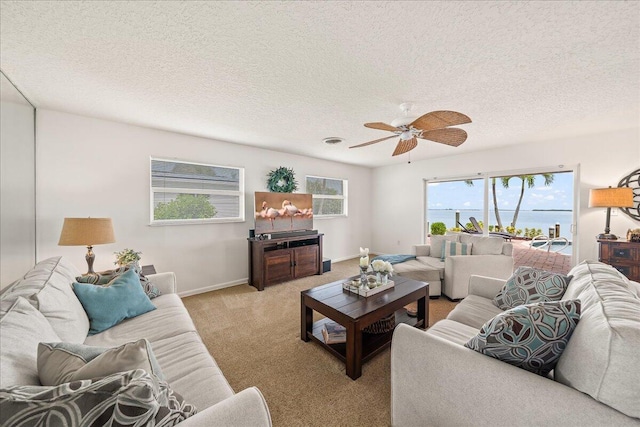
(526, 219)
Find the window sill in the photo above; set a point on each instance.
(319, 217)
(164, 223)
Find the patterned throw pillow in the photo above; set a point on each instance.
(104, 277)
(528, 285)
(61, 362)
(455, 248)
(123, 399)
(531, 337)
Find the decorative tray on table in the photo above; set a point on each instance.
(353, 286)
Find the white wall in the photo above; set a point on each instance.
(603, 160)
(92, 167)
(17, 183)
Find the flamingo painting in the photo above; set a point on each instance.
(282, 212)
(269, 213)
(290, 210)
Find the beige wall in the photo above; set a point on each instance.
(92, 167)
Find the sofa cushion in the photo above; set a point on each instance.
(123, 399)
(455, 248)
(453, 331)
(528, 285)
(193, 374)
(104, 277)
(474, 311)
(21, 329)
(170, 313)
(432, 263)
(62, 362)
(435, 242)
(47, 286)
(485, 245)
(601, 359)
(107, 306)
(531, 337)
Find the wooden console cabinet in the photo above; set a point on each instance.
(282, 259)
(623, 255)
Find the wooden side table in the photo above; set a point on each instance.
(148, 269)
(623, 255)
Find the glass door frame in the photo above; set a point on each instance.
(486, 176)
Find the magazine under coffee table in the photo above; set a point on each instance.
(356, 312)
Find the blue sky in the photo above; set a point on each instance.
(458, 195)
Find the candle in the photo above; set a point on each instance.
(364, 261)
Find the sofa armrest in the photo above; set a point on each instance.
(437, 382)
(421, 250)
(165, 282)
(487, 287)
(247, 408)
(458, 269)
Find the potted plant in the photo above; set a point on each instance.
(127, 256)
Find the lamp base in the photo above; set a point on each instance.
(607, 236)
(90, 257)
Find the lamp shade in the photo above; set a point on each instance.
(86, 232)
(611, 198)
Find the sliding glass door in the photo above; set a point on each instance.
(535, 208)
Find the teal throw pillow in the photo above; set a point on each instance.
(528, 285)
(455, 248)
(106, 306)
(531, 337)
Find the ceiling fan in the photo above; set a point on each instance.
(433, 126)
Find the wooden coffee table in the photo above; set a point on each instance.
(356, 312)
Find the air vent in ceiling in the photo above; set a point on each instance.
(332, 140)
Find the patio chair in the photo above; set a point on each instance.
(478, 230)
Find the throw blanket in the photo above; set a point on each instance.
(394, 259)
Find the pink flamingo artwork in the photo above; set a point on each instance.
(269, 213)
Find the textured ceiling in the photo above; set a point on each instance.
(284, 75)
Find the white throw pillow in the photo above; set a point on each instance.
(60, 363)
(47, 286)
(21, 329)
(486, 245)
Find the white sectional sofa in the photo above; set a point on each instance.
(184, 360)
(437, 381)
(490, 256)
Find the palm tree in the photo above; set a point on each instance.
(530, 180)
(495, 200)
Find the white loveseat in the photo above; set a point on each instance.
(436, 381)
(184, 360)
(490, 256)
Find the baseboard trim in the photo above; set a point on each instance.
(213, 287)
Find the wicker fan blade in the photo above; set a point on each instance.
(449, 136)
(439, 120)
(374, 141)
(405, 145)
(382, 126)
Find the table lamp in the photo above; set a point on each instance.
(610, 198)
(87, 232)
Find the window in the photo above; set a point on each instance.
(329, 196)
(187, 193)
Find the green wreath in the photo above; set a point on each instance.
(281, 180)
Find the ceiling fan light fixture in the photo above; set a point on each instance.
(333, 140)
(402, 121)
(406, 135)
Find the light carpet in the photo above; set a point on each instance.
(255, 339)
